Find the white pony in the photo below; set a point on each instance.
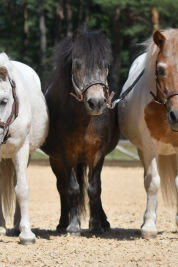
(24, 126)
(151, 125)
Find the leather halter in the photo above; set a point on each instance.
(165, 96)
(15, 111)
(79, 93)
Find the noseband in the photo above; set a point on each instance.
(79, 93)
(165, 96)
(15, 111)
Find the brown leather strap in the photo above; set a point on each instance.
(15, 111)
(165, 96)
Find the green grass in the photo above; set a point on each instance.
(114, 155)
(36, 155)
(117, 155)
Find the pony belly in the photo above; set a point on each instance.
(129, 126)
(40, 125)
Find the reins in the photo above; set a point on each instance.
(15, 111)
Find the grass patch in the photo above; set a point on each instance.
(114, 155)
(36, 156)
(117, 155)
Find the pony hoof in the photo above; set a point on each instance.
(106, 229)
(2, 230)
(106, 226)
(96, 231)
(148, 235)
(27, 240)
(77, 234)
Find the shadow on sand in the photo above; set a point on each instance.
(119, 234)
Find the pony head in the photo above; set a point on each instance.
(6, 99)
(167, 72)
(91, 57)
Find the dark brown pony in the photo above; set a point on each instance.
(78, 135)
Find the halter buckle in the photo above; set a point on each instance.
(114, 103)
(164, 101)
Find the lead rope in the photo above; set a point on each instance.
(126, 92)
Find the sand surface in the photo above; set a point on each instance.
(124, 201)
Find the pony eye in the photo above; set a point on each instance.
(77, 66)
(161, 71)
(3, 102)
(106, 66)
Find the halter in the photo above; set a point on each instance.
(165, 96)
(15, 111)
(79, 93)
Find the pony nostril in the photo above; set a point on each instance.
(173, 117)
(91, 104)
(102, 102)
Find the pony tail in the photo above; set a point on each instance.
(81, 174)
(167, 168)
(8, 180)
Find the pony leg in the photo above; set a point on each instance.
(152, 185)
(73, 195)
(176, 182)
(58, 169)
(2, 220)
(22, 194)
(94, 192)
(103, 218)
(17, 218)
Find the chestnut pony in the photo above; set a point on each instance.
(82, 129)
(152, 124)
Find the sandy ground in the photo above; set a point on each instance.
(124, 201)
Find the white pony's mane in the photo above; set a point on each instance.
(152, 50)
(5, 61)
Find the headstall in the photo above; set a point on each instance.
(14, 112)
(79, 93)
(165, 96)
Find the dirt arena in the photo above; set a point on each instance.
(124, 201)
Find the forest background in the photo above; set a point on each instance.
(29, 29)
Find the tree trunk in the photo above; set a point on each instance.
(133, 49)
(118, 40)
(59, 19)
(11, 8)
(87, 16)
(42, 29)
(80, 13)
(26, 25)
(155, 18)
(68, 17)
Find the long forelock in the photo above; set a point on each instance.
(93, 48)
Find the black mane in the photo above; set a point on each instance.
(92, 47)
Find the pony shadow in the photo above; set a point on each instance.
(116, 234)
(119, 234)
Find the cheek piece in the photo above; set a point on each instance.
(14, 112)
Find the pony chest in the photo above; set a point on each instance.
(155, 116)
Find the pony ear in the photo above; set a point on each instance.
(3, 73)
(75, 35)
(159, 39)
(104, 33)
